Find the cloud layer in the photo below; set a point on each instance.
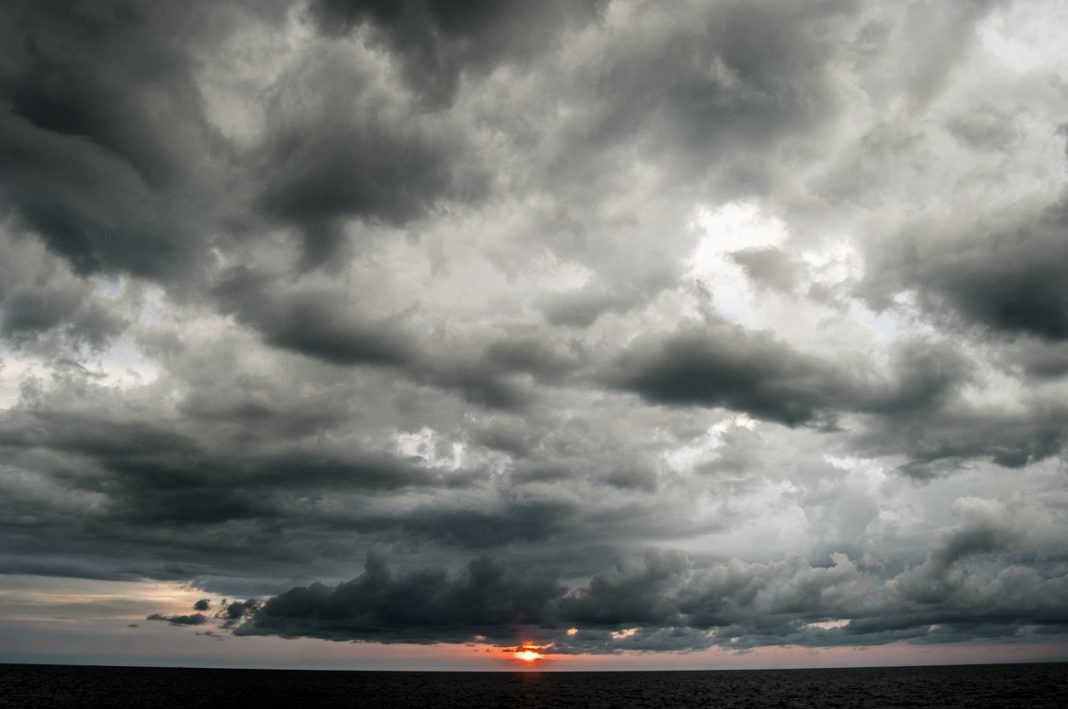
(726, 324)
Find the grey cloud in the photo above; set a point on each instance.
(235, 610)
(119, 168)
(712, 81)
(94, 483)
(475, 383)
(986, 531)
(1037, 358)
(925, 377)
(264, 404)
(193, 619)
(944, 439)
(99, 158)
(1003, 274)
(285, 499)
(494, 525)
(90, 207)
(308, 325)
(61, 40)
(495, 378)
(727, 366)
(533, 355)
(421, 606)
(325, 325)
(340, 145)
(90, 435)
(437, 41)
(582, 308)
(175, 468)
(739, 453)
(986, 127)
(631, 594)
(939, 40)
(666, 602)
(320, 324)
(45, 307)
(231, 613)
(282, 284)
(769, 267)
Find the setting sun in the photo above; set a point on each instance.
(529, 652)
(528, 655)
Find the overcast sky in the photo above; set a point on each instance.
(654, 334)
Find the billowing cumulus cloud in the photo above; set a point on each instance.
(1002, 274)
(724, 324)
(436, 42)
(664, 601)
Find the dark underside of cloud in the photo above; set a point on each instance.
(664, 602)
(1005, 274)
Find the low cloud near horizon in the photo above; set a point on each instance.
(606, 325)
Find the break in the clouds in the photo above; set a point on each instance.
(607, 326)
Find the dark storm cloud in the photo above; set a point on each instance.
(581, 308)
(109, 156)
(232, 612)
(730, 367)
(545, 361)
(157, 466)
(28, 314)
(502, 523)
(631, 595)
(192, 619)
(754, 372)
(484, 386)
(101, 125)
(665, 602)
(325, 325)
(717, 82)
(925, 377)
(318, 323)
(506, 374)
(114, 483)
(340, 144)
(43, 306)
(759, 375)
(1004, 273)
(724, 365)
(438, 40)
(91, 435)
(1038, 358)
(945, 440)
(285, 284)
(421, 606)
(89, 206)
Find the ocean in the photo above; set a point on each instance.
(1030, 685)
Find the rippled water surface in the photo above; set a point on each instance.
(1036, 685)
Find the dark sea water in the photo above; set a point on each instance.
(1037, 685)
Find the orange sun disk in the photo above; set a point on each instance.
(528, 655)
(528, 652)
